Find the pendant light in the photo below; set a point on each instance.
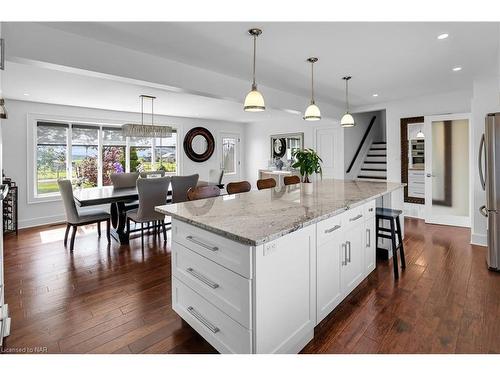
(347, 120)
(143, 130)
(420, 134)
(312, 112)
(254, 101)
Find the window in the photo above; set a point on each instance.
(51, 159)
(89, 153)
(166, 154)
(229, 154)
(113, 153)
(84, 155)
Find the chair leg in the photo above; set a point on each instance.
(128, 226)
(68, 226)
(73, 234)
(108, 230)
(394, 250)
(99, 229)
(400, 240)
(164, 232)
(377, 226)
(142, 236)
(159, 228)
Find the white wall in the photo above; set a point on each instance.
(15, 151)
(451, 102)
(257, 141)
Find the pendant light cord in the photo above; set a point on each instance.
(347, 95)
(142, 110)
(312, 83)
(152, 112)
(254, 85)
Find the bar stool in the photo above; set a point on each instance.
(393, 217)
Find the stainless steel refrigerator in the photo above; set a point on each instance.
(489, 173)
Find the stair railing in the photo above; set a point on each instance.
(360, 147)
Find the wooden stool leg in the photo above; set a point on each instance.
(377, 226)
(400, 239)
(68, 226)
(164, 232)
(99, 229)
(394, 250)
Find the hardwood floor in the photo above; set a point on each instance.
(117, 300)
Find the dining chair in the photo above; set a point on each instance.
(124, 180)
(266, 183)
(152, 192)
(181, 185)
(238, 187)
(75, 219)
(152, 173)
(202, 192)
(291, 180)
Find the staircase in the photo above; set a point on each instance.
(375, 164)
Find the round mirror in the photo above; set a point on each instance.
(199, 144)
(279, 147)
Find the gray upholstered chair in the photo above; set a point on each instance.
(152, 193)
(124, 180)
(75, 219)
(152, 173)
(181, 185)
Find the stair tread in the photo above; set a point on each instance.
(374, 169)
(373, 177)
(375, 162)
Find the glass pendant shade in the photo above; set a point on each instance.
(312, 113)
(254, 101)
(420, 134)
(347, 121)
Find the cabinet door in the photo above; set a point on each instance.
(353, 270)
(370, 245)
(328, 259)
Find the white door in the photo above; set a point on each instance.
(329, 146)
(447, 169)
(353, 255)
(370, 245)
(229, 154)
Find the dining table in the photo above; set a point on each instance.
(120, 201)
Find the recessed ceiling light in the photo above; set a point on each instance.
(26, 94)
(457, 68)
(443, 36)
(375, 95)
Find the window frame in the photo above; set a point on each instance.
(32, 153)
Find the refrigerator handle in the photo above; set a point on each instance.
(480, 162)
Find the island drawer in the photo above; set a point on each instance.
(330, 227)
(230, 254)
(354, 216)
(226, 335)
(225, 289)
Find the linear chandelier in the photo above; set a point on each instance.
(149, 131)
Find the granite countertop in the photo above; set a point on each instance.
(257, 217)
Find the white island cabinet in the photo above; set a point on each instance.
(256, 272)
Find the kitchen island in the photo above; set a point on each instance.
(256, 272)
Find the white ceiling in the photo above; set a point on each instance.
(394, 60)
(39, 84)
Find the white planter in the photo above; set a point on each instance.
(307, 187)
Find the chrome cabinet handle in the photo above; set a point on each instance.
(356, 217)
(349, 243)
(368, 232)
(344, 262)
(370, 209)
(198, 242)
(430, 175)
(202, 319)
(332, 229)
(202, 278)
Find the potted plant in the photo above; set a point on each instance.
(308, 162)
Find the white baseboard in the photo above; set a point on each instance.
(479, 239)
(44, 220)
